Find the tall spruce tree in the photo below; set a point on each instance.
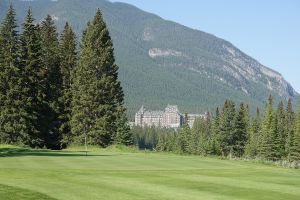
(215, 147)
(276, 147)
(208, 134)
(49, 110)
(289, 128)
(199, 136)
(32, 73)
(266, 145)
(253, 136)
(281, 133)
(239, 134)
(184, 136)
(295, 144)
(97, 103)
(12, 111)
(123, 134)
(68, 62)
(226, 127)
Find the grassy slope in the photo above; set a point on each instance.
(111, 174)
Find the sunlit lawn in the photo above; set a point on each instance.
(114, 174)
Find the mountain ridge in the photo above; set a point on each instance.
(163, 62)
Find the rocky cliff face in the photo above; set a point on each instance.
(221, 61)
(245, 67)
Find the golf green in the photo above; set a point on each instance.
(112, 174)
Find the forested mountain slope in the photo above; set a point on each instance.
(162, 62)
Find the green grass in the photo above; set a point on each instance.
(116, 173)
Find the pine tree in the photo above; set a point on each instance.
(281, 133)
(215, 148)
(49, 110)
(32, 74)
(289, 128)
(226, 127)
(208, 135)
(196, 140)
(239, 134)
(266, 145)
(276, 148)
(183, 145)
(123, 133)
(254, 135)
(97, 93)
(12, 111)
(216, 124)
(208, 125)
(68, 62)
(295, 144)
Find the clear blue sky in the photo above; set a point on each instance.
(267, 30)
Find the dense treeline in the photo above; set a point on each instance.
(51, 95)
(232, 132)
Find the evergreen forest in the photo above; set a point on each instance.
(231, 132)
(51, 94)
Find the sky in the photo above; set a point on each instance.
(267, 30)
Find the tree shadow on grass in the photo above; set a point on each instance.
(17, 152)
(15, 193)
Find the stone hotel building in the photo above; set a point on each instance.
(169, 118)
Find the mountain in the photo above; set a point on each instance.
(162, 62)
